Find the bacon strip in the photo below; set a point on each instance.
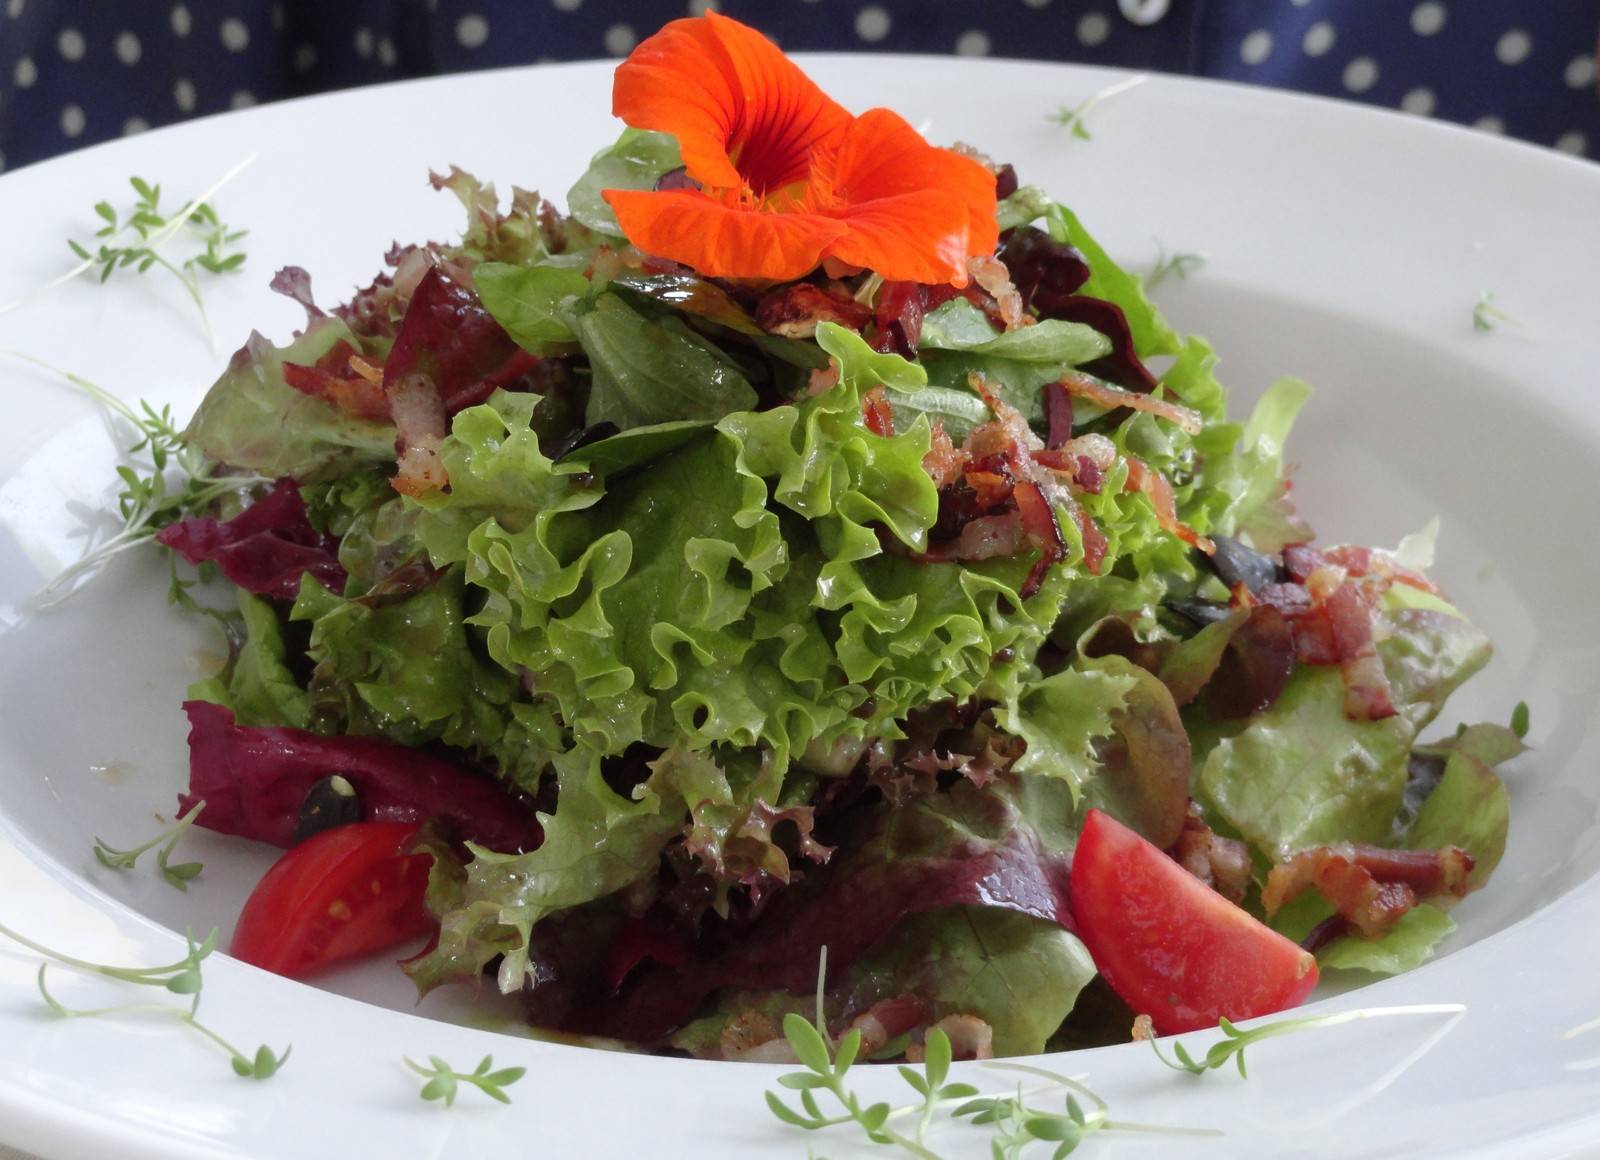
(1141, 477)
(1221, 863)
(1108, 396)
(876, 413)
(1369, 886)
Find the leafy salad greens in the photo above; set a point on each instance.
(702, 622)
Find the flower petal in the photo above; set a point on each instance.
(723, 241)
(912, 237)
(742, 112)
(880, 160)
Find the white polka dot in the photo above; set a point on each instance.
(1361, 74)
(1093, 28)
(181, 20)
(1580, 71)
(973, 42)
(1420, 101)
(872, 23)
(1513, 46)
(1144, 13)
(620, 39)
(14, 8)
(1428, 18)
(386, 52)
(472, 31)
(25, 72)
(1490, 124)
(364, 42)
(2, 155)
(1573, 142)
(701, 7)
(134, 126)
(279, 17)
(1037, 3)
(183, 94)
(1301, 3)
(1319, 38)
(72, 119)
(235, 34)
(1256, 47)
(70, 44)
(128, 48)
(304, 58)
(242, 99)
(568, 5)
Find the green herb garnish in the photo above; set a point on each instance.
(1179, 265)
(183, 977)
(148, 501)
(444, 1082)
(1485, 315)
(1234, 1040)
(1519, 720)
(1075, 117)
(176, 875)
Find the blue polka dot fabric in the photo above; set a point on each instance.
(73, 72)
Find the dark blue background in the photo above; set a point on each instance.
(73, 72)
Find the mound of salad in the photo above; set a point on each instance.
(810, 538)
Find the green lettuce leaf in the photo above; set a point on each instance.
(531, 302)
(1151, 334)
(256, 683)
(654, 371)
(253, 420)
(959, 325)
(1303, 774)
(1470, 806)
(1021, 975)
(1244, 487)
(637, 160)
(861, 368)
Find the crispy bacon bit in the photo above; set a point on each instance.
(1371, 887)
(1221, 863)
(1109, 396)
(886, 1020)
(1141, 477)
(943, 462)
(876, 413)
(991, 273)
(1143, 1028)
(419, 419)
(1058, 413)
(970, 1038)
(355, 393)
(898, 313)
(794, 311)
(1374, 562)
(1039, 521)
(1094, 540)
(823, 379)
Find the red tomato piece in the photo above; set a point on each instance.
(341, 894)
(1169, 945)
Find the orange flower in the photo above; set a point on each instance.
(788, 177)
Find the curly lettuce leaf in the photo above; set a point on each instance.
(256, 683)
(253, 420)
(1470, 807)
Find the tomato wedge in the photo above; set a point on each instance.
(341, 894)
(1169, 945)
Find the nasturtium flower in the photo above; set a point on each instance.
(788, 178)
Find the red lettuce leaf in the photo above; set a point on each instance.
(448, 335)
(265, 549)
(967, 847)
(254, 781)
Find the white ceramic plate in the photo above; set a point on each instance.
(1345, 246)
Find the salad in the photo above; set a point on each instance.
(808, 552)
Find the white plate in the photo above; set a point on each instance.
(1345, 246)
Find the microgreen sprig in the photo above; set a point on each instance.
(1075, 117)
(178, 875)
(1519, 720)
(183, 977)
(1234, 1041)
(444, 1082)
(1177, 265)
(149, 499)
(1486, 315)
